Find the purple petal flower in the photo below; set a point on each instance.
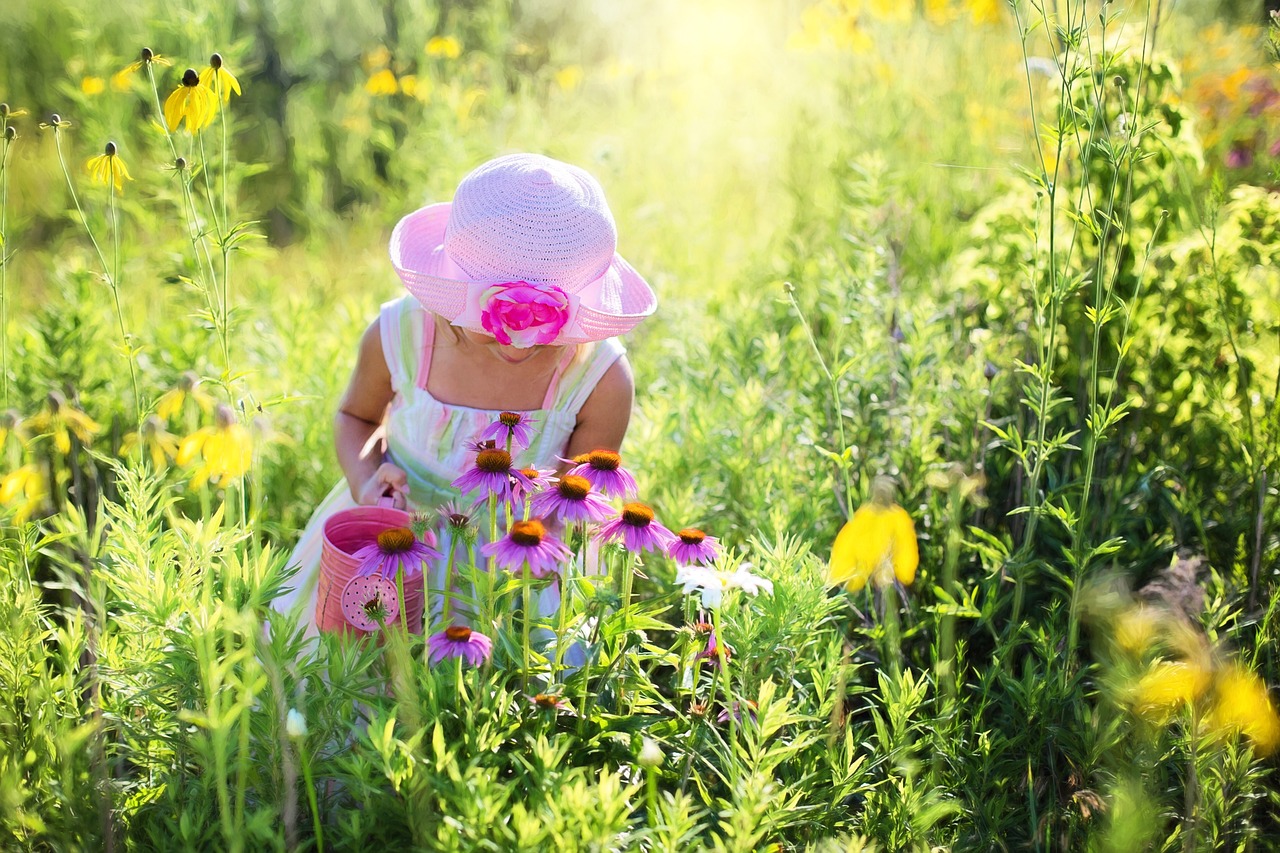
(638, 530)
(691, 546)
(571, 501)
(510, 426)
(539, 479)
(459, 641)
(712, 652)
(492, 475)
(396, 547)
(528, 541)
(603, 470)
(737, 712)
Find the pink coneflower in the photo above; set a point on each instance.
(571, 501)
(492, 475)
(552, 702)
(737, 712)
(528, 541)
(395, 548)
(539, 480)
(712, 652)
(510, 427)
(638, 530)
(459, 641)
(692, 547)
(603, 470)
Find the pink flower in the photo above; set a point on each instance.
(528, 542)
(571, 501)
(693, 546)
(638, 530)
(492, 475)
(510, 426)
(521, 314)
(603, 470)
(459, 641)
(395, 548)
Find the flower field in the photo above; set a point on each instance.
(949, 512)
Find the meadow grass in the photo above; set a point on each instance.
(990, 253)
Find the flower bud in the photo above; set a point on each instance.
(295, 725)
(650, 754)
(989, 371)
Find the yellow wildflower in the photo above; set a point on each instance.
(379, 57)
(569, 78)
(188, 385)
(92, 85)
(877, 544)
(25, 488)
(894, 11)
(7, 112)
(1136, 629)
(1167, 686)
(11, 425)
(939, 12)
(218, 79)
(60, 420)
(192, 101)
(154, 439)
(445, 46)
(985, 11)
(224, 450)
(1242, 705)
(120, 80)
(381, 83)
(107, 168)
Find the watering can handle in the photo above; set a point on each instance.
(389, 500)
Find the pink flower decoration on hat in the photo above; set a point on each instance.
(521, 314)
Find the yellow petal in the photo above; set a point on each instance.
(175, 107)
(906, 550)
(1167, 686)
(1242, 704)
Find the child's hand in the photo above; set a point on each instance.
(388, 481)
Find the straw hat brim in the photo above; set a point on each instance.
(612, 304)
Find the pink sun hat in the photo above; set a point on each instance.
(526, 252)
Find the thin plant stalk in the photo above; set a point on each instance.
(527, 584)
(106, 269)
(316, 826)
(5, 145)
(728, 692)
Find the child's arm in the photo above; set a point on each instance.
(602, 421)
(360, 415)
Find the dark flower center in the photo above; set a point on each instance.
(702, 627)
(216, 60)
(397, 540)
(457, 633)
(110, 150)
(604, 460)
(692, 536)
(190, 78)
(491, 460)
(510, 419)
(528, 532)
(374, 610)
(458, 521)
(637, 515)
(573, 487)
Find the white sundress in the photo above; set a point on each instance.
(428, 439)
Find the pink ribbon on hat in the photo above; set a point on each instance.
(523, 314)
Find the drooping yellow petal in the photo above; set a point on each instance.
(174, 107)
(92, 85)
(1136, 629)
(1168, 686)
(220, 80)
(1243, 705)
(381, 83)
(444, 46)
(878, 542)
(906, 550)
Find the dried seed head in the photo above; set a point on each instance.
(180, 163)
(216, 61)
(55, 120)
(10, 133)
(4, 110)
(1118, 81)
(110, 149)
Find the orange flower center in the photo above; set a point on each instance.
(527, 532)
(458, 633)
(692, 536)
(493, 461)
(546, 700)
(531, 473)
(581, 459)
(509, 419)
(397, 540)
(637, 515)
(573, 487)
(604, 460)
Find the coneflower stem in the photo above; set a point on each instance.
(311, 796)
(728, 693)
(527, 621)
(404, 617)
(4, 257)
(446, 609)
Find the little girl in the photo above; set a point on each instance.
(516, 294)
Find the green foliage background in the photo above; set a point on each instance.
(904, 192)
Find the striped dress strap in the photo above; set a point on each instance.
(401, 330)
(581, 378)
